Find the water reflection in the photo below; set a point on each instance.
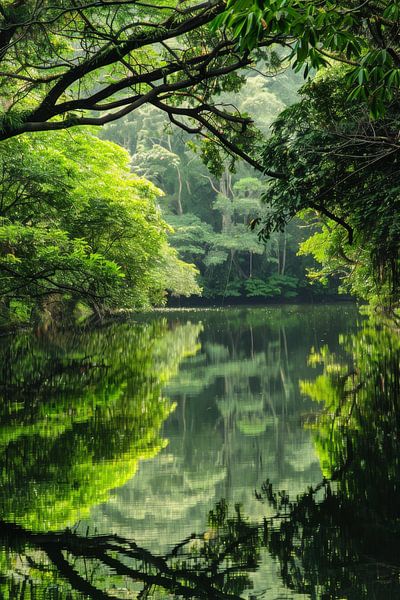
(304, 397)
(240, 418)
(78, 412)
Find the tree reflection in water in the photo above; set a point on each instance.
(78, 412)
(339, 539)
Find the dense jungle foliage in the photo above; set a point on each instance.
(203, 98)
(210, 213)
(78, 226)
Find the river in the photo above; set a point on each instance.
(227, 453)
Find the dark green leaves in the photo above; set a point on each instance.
(365, 37)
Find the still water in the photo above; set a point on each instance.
(235, 453)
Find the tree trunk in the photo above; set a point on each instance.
(278, 255)
(283, 266)
(179, 197)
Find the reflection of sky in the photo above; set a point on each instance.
(239, 420)
(170, 496)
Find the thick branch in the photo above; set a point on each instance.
(321, 209)
(110, 55)
(219, 135)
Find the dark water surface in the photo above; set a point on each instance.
(235, 453)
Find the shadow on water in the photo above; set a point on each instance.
(337, 539)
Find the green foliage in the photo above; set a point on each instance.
(274, 286)
(233, 288)
(175, 275)
(76, 63)
(154, 162)
(209, 214)
(77, 225)
(259, 288)
(351, 263)
(364, 36)
(191, 236)
(344, 169)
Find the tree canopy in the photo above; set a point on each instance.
(89, 63)
(77, 225)
(342, 167)
(337, 150)
(363, 35)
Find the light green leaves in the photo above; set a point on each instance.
(79, 226)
